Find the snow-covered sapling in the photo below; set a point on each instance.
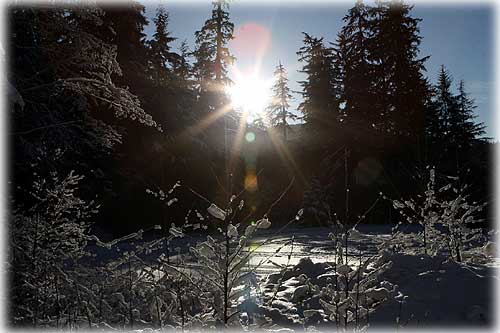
(446, 217)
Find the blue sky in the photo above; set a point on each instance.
(458, 36)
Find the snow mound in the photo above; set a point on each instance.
(414, 291)
(440, 292)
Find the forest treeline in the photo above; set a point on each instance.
(90, 92)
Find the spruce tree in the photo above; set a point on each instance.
(123, 26)
(320, 104)
(400, 87)
(212, 56)
(445, 101)
(210, 69)
(433, 129)
(462, 124)
(277, 111)
(464, 131)
(355, 71)
(161, 56)
(182, 69)
(451, 127)
(64, 72)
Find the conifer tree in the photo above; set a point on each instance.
(401, 87)
(123, 26)
(445, 101)
(355, 72)
(450, 125)
(278, 113)
(433, 129)
(182, 68)
(74, 109)
(340, 53)
(212, 55)
(462, 124)
(462, 129)
(202, 69)
(320, 104)
(161, 56)
(210, 70)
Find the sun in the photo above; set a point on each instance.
(250, 94)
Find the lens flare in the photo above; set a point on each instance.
(250, 137)
(250, 94)
(251, 184)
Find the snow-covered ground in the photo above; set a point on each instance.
(439, 292)
(313, 243)
(411, 291)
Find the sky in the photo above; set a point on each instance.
(461, 37)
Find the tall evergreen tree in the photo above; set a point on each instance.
(354, 69)
(182, 68)
(124, 27)
(445, 101)
(463, 130)
(320, 104)
(462, 124)
(210, 69)
(161, 56)
(64, 71)
(170, 97)
(451, 128)
(401, 87)
(212, 56)
(277, 111)
(433, 129)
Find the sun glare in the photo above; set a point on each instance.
(250, 95)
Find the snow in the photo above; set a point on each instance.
(175, 231)
(313, 243)
(489, 249)
(440, 292)
(216, 212)
(232, 231)
(412, 290)
(398, 289)
(263, 223)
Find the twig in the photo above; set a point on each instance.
(218, 181)
(281, 196)
(45, 127)
(199, 195)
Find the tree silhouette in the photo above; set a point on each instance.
(182, 68)
(462, 123)
(161, 56)
(212, 55)
(82, 75)
(401, 87)
(277, 111)
(355, 71)
(319, 105)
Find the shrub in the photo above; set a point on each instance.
(446, 218)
